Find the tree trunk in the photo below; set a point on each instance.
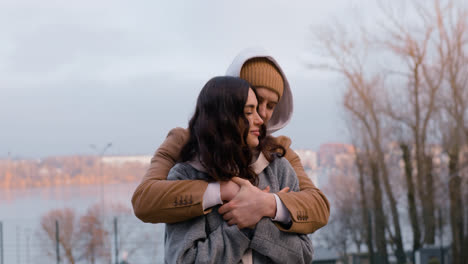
(366, 217)
(465, 252)
(399, 253)
(423, 192)
(69, 255)
(456, 215)
(381, 242)
(429, 215)
(465, 243)
(412, 209)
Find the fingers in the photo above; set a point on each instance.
(230, 219)
(267, 189)
(228, 216)
(225, 208)
(284, 190)
(232, 222)
(240, 181)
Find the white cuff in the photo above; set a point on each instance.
(212, 195)
(282, 213)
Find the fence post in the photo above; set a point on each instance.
(18, 245)
(1, 242)
(57, 241)
(115, 241)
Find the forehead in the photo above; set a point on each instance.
(267, 95)
(251, 99)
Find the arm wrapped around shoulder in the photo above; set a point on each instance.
(154, 199)
(309, 208)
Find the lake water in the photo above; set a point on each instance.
(21, 212)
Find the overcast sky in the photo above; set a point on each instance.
(75, 73)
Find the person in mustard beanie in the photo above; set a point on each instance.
(158, 200)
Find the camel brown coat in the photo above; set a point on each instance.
(157, 200)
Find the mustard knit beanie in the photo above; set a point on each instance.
(261, 72)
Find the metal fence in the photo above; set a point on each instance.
(123, 239)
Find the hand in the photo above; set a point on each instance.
(229, 190)
(248, 207)
(284, 190)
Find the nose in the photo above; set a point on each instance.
(262, 110)
(258, 119)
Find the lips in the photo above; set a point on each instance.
(255, 132)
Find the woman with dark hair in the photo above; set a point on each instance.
(228, 141)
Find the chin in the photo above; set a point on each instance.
(253, 144)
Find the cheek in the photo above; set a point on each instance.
(250, 121)
(262, 108)
(269, 112)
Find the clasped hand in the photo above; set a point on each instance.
(246, 204)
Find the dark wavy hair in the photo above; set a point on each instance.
(219, 129)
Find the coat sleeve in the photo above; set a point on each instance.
(268, 240)
(309, 208)
(157, 200)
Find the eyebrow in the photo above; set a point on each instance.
(263, 99)
(250, 106)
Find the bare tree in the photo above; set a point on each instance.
(131, 239)
(345, 227)
(426, 65)
(367, 193)
(363, 100)
(411, 193)
(452, 28)
(68, 233)
(413, 44)
(94, 240)
(365, 205)
(88, 238)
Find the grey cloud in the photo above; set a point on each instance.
(81, 72)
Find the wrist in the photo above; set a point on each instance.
(222, 191)
(269, 205)
(212, 195)
(228, 190)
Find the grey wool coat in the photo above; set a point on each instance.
(208, 238)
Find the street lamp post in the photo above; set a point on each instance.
(100, 154)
